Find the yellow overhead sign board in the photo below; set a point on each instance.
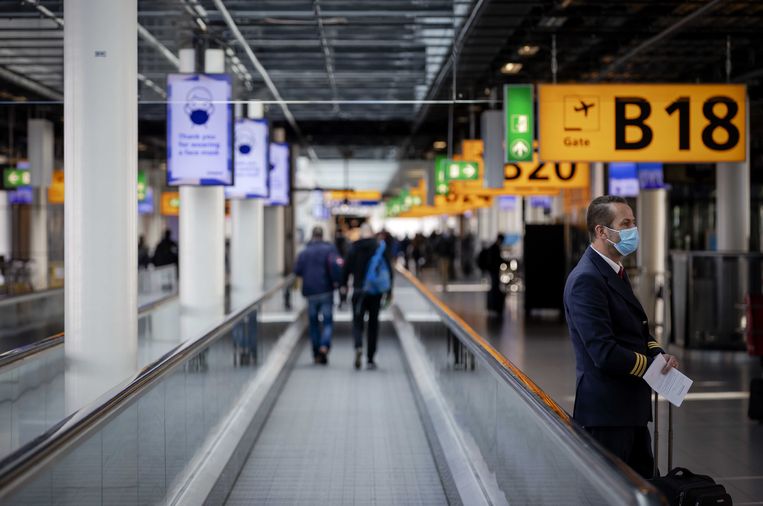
(642, 122)
(353, 195)
(548, 175)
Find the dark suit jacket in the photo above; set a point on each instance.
(613, 348)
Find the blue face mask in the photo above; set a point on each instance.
(628, 240)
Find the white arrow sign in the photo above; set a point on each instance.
(469, 170)
(520, 148)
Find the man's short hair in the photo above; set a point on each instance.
(600, 213)
(317, 233)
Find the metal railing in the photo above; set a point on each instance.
(601, 466)
(23, 352)
(24, 463)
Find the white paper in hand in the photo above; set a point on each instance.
(673, 386)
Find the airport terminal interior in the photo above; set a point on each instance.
(328, 252)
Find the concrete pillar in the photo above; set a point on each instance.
(652, 215)
(5, 226)
(202, 231)
(598, 186)
(274, 230)
(732, 195)
(40, 138)
(733, 206)
(100, 153)
(246, 245)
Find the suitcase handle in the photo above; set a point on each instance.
(657, 436)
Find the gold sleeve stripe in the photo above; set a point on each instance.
(638, 366)
(642, 370)
(654, 344)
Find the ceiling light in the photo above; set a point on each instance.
(511, 68)
(440, 145)
(528, 50)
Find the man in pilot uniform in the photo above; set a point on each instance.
(610, 335)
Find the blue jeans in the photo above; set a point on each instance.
(317, 306)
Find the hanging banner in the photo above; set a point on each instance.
(199, 130)
(280, 168)
(519, 121)
(692, 123)
(251, 160)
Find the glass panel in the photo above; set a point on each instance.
(144, 451)
(527, 452)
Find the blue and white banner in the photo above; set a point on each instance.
(251, 157)
(280, 168)
(199, 130)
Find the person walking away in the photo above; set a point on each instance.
(489, 261)
(370, 265)
(319, 265)
(166, 251)
(467, 254)
(611, 340)
(144, 258)
(445, 248)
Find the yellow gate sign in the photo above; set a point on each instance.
(546, 175)
(642, 122)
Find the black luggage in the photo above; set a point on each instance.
(755, 410)
(680, 486)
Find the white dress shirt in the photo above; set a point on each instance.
(615, 266)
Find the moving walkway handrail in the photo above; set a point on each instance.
(538, 400)
(25, 461)
(28, 297)
(11, 356)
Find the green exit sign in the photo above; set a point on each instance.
(440, 176)
(458, 170)
(14, 178)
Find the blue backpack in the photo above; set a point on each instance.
(378, 278)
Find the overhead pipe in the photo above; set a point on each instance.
(264, 73)
(660, 36)
(30, 85)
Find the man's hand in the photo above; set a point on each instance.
(387, 300)
(671, 362)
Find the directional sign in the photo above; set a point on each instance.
(519, 122)
(548, 175)
(690, 123)
(15, 178)
(459, 170)
(170, 204)
(440, 176)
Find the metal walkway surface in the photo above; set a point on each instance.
(337, 435)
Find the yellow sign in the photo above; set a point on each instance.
(354, 195)
(170, 204)
(56, 189)
(642, 122)
(548, 175)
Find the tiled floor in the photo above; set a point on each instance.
(712, 432)
(341, 436)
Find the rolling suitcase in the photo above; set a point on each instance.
(680, 486)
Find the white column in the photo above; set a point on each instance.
(274, 229)
(732, 195)
(40, 138)
(652, 214)
(202, 232)
(246, 243)
(6, 247)
(597, 179)
(100, 153)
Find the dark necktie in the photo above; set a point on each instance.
(621, 272)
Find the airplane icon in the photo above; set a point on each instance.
(586, 122)
(584, 108)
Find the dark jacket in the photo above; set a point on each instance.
(314, 266)
(166, 253)
(356, 262)
(613, 348)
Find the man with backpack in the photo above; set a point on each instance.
(320, 267)
(369, 263)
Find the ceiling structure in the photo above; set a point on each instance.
(373, 79)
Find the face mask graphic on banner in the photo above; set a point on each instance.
(629, 240)
(199, 107)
